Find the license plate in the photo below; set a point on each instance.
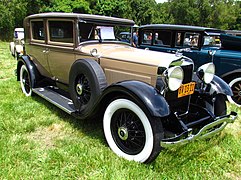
(186, 89)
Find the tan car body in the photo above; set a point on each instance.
(119, 61)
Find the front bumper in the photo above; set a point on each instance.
(207, 131)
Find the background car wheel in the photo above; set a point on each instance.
(25, 81)
(86, 83)
(129, 132)
(235, 85)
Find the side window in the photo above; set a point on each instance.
(191, 39)
(61, 31)
(178, 40)
(147, 37)
(163, 38)
(37, 30)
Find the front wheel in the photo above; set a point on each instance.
(129, 132)
(25, 81)
(235, 85)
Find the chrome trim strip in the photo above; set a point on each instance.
(204, 132)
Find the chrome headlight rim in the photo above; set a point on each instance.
(206, 72)
(175, 77)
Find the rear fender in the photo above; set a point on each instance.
(34, 74)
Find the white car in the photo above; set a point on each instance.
(16, 47)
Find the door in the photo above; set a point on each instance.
(60, 48)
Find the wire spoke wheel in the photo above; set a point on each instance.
(236, 88)
(128, 131)
(235, 85)
(25, 81)
(83, 90)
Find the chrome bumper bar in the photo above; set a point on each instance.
(205, 132)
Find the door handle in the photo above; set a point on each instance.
(46, 50)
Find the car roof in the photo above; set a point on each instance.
(179, 27)
(85, 17)
(18, 29)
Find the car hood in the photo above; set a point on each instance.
(125, 52)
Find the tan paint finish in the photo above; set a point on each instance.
(118, 60)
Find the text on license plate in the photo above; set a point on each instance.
(186, 89)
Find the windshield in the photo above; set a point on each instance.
(212, 41)
(19, 34)
(89, 31)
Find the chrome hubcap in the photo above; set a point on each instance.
(123, 133)
(79, 89)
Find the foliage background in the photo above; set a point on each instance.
(223, 14)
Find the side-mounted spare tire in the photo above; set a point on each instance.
(86, 83)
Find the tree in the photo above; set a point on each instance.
(80, 6)
(142, 11)
(115, 8)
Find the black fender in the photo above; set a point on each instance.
(143, 93)
(219, 86)
(34, 73)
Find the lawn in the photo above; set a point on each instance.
(39, 141)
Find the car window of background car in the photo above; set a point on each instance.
(37, 30)
(147, 37)
(19, 34)
(179, 39)
(191, 39)
(61, 31)
(212, 41)
(163, 38)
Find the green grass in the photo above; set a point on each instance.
(39, 141)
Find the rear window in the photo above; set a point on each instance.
(162, 38)
(38, 30)
(61, 31)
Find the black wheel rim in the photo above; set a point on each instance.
(236, 88)
(26, 81)
(128, 131)
(82, 87)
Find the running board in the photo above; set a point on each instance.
(55, 98)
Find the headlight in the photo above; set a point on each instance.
(206, 72)
(175, 77)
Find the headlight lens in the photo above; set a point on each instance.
(206, 72)
(175, 77)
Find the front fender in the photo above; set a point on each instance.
(144, 94)
(220, 86)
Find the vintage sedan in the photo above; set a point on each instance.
(203, 45)
(147, 99)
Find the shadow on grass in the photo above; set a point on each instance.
(90, 127)
(173, 157)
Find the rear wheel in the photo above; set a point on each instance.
(25, 81)
(235, 85)
(130, 132)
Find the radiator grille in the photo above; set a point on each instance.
(180, 105)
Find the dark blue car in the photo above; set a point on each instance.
(202, 45)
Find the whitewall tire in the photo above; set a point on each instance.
(235, 85)
(128, 131)
(25, 81)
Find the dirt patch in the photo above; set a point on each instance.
(47, 136)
